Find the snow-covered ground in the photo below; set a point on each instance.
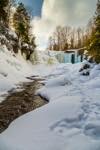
(70, 121)
(14, 69)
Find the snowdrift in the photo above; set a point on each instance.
(71, 119)
(14, 68)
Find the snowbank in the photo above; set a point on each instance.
(71, 120)
(45, 57)
(14, 68)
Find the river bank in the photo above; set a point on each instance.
(19, 102)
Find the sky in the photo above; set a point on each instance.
(47, 14)
(34, 5)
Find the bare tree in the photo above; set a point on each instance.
(50, 44)
(79, 30)
(67, 37)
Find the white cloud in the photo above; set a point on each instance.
(61, 12)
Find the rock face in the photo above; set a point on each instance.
(19, 102)
(85, 70)
(27, 50)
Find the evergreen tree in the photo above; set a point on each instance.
(94, 46)
(21, 21)
(11, 4)
(3, 11)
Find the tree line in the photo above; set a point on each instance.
(19, 19)
(64, 38)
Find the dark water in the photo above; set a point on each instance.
(19, 102)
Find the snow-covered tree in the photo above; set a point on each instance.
(21, 21)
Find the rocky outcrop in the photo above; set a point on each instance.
(85, 69)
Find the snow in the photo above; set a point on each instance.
(14, 69)
(12, 33)
(71, 119)
(46, 57)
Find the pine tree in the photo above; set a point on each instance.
(21, 21)
(94, 47)
(3, 11)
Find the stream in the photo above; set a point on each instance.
(20, 101)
